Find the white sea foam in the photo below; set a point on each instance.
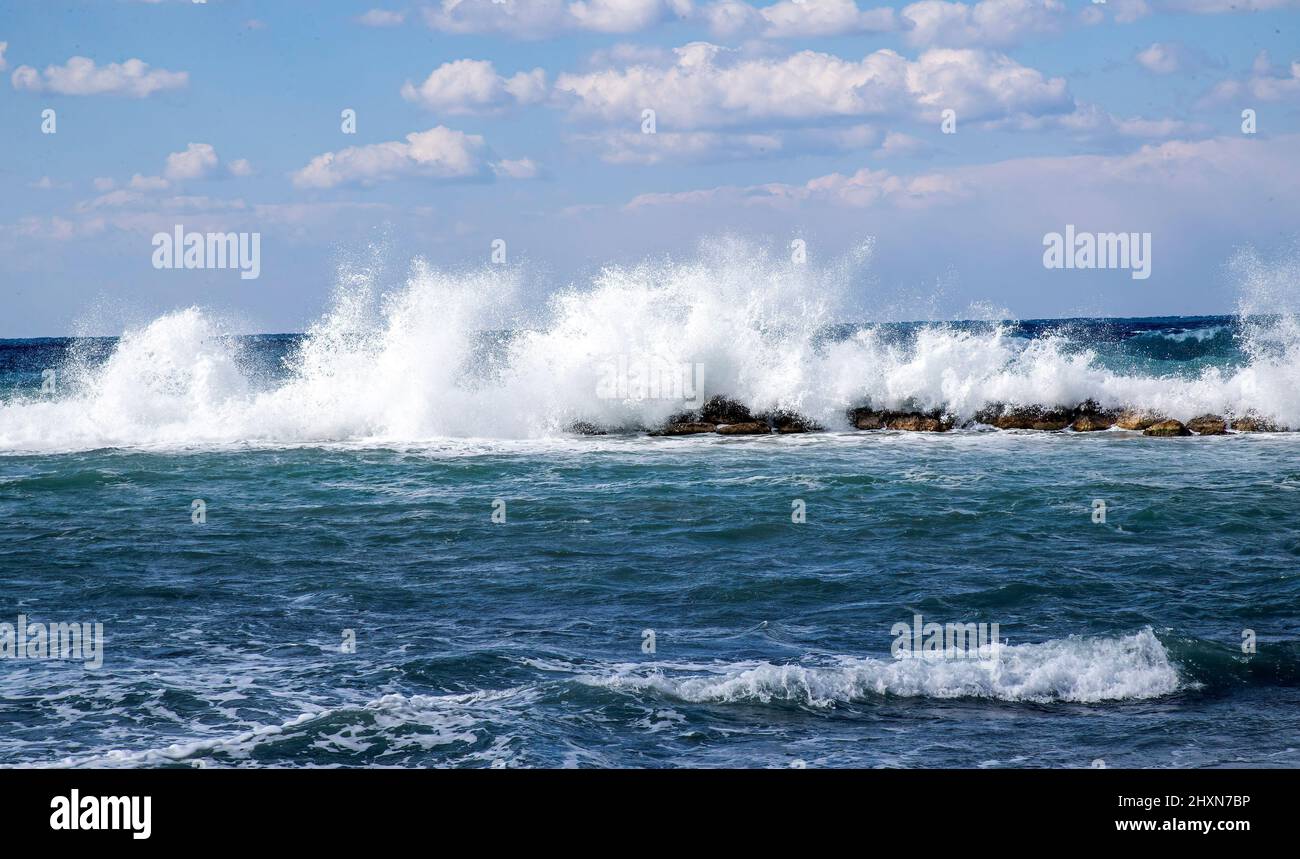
(406, 366)
(1080, 670)
(1071, 670)
(405, 724)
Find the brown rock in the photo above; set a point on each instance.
(867, 419)
(1137, 420)
(1167, 428)
(1208, 425)
(1255, 423)
(1025, 417)
(685, 428)
(1092, 422)
(913, 422)
(746, 428)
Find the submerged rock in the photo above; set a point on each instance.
(1167, 428)
(745, 428)
(685, 428)
(1208, 425)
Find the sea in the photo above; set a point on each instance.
(381, 542)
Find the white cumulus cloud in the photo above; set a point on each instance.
(1161, 58)
(473, 86)
(532, 19)
(709, 87)
(788, 19)
(439, 153)
(988, 23)
(80, 76)
(196, 162)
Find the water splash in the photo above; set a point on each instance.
(452, 355)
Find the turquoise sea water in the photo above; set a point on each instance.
(646, 601)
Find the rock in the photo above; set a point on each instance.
(1034, 418)
(1255, 423)
(724, 410)
(585, 428)
(1093, 422)
(1167, 428)
(686, 428)
(746, 428)
(989, 414)
(870, 419)
(915, 422)
(1089, 416)
(1005, 417)
(790, 422)
(867, 419)
(1132, 419)
(1208, 425)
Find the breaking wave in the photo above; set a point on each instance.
(451, 355)
(1079, 670)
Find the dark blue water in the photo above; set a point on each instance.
(526, 642)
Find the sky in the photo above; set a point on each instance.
(949, 138)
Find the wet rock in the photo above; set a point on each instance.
(1092, 422)
(1255, 423)
(871, 419)
(686, 428)
(745, 428)
(586, 428)
(1033, 418)
(1089, 416)
(724, 410)
(916, 422)
(790, 422)
(1167, 428)
(1208, 425)
(1005, 416)
(989, 414)
(1132, 419)
(867, 419)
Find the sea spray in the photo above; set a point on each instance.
(449, 354)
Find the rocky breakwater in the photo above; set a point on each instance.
(722, 415)
(725, 416)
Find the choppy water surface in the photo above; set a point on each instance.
(350, 477)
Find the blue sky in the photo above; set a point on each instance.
(477, 120)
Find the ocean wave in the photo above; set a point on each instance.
(1078, 670)
(418, 363)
